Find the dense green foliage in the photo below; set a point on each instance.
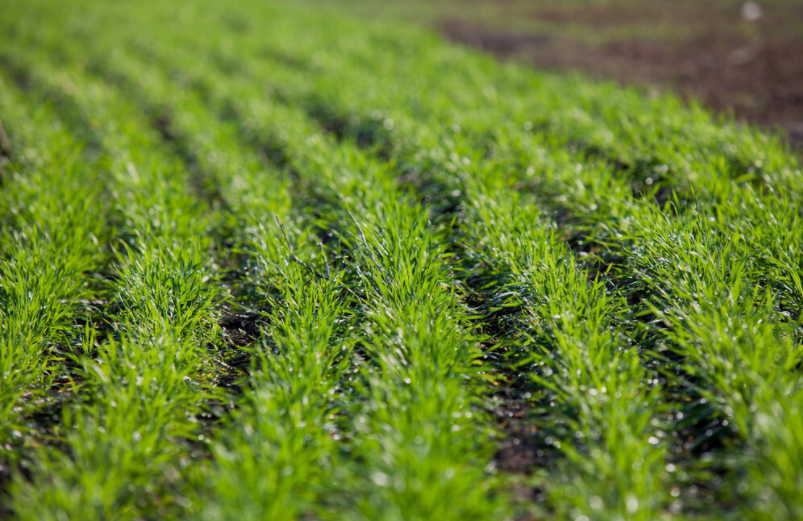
(260, 262)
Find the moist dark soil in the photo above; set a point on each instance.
(706, 51)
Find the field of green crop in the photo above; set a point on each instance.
(259, 261)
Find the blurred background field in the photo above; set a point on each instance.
(732, 56)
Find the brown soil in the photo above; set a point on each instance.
(752, 69)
